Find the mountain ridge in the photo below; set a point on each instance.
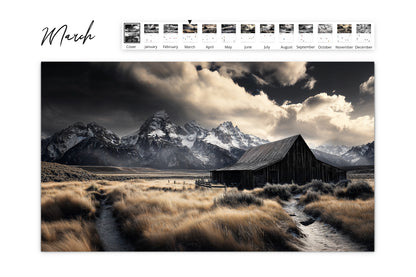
(158, 143)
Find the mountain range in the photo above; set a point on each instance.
(160, 143)
(343, 156)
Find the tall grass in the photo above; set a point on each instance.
(67, 205)
(237, 199)
(309, 197)
(192, 220)
(69, 235)
(355, 217)
(68, 212)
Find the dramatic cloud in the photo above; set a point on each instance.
(283, 73)
(286, 73)
(368, 86)
(211, 97)
(260, 81)
(310, 84)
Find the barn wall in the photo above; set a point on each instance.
(299, 166)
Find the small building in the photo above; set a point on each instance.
(284, 161)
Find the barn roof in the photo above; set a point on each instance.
(263, 155)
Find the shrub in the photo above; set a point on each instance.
(237, 199)
(319, 186)
(54, 172)
(282, 191)
(359, 189)
(309, 197)
(340, 192)
(343, 183)
(294, 188)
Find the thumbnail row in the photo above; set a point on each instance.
(132, 29)
(246, 28)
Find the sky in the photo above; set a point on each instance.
(326, 102)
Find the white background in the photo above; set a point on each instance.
(21, 54)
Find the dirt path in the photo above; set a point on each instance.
(109, 232)
(318, 235)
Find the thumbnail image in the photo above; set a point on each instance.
(209, 28)
(286, 28)
(228, 28)
(131, 32)
(344, 28)
(364, 28)
(266, 28)
(170, 28)
(190, 28)
(151, 28)
(306, 28)
(248, 28)
(324, 28)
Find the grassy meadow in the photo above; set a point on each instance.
(157, 215)
(175, 215)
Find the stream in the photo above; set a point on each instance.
(318, 235)
(108, 230)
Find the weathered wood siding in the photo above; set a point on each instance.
(299, 166)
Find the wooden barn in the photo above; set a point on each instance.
(284, 161)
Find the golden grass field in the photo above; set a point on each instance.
(157, 215)
(355, 217)
(68, 212)
(167, 214)
(188, 219)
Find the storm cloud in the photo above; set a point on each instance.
(120, 96)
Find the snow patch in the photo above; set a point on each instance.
(188, 141)
(200, 156)
(156, 133)
(214, 140)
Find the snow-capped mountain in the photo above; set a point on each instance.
(219, 147)
(158, 143)
(54, 147)
(341, 155)
(331, 159)
(227, 136)
(360, 155)
(158, 127)
(334, 149)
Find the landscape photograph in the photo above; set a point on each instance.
(132, 33)
(324, 28)
(228, 28)
(364, 28)
(209, 28)
(190, 28)
(344, 28)
(286, 28)
(207, 156)
(170, 28)
(267, 28)
(248, 28)
(305, 28)
(151, 28)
